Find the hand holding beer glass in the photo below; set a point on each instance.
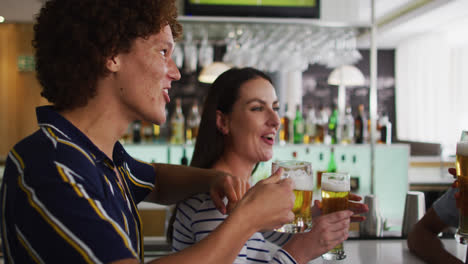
(335, 195)
(301, 173)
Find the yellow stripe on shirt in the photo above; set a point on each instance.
(4, 229)
(127, 173)
(70, 144)
(99, 211)
(48, 219)
(138, 226)
(32, 253)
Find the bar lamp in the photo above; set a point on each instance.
(210, 72)
(343, 76)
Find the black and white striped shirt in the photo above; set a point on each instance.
(197, 216)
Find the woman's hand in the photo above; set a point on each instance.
(226, 185)
(327, 232)
(354, 206)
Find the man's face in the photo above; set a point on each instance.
(145, 75)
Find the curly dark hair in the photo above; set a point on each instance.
(74, 38)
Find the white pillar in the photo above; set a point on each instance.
(293, 92)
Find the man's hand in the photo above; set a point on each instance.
(226, 185)
(453, 171)
(268, 204)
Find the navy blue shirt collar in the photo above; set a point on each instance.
(48, 116)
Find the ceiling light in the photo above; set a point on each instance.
(212, 71)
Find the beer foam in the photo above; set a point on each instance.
(303, 183)
(335, 186)
(462, 148)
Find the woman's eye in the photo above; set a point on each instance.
(164, 52)
(276, 108)
(257, 108)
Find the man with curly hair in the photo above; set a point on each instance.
(70, 190)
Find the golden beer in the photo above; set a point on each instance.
(462, 175)
(462, 159)
(301, 173)
(335, 194)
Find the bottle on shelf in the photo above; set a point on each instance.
(193, 123)
(331, 162)
(385, 129)
(360, 125)
(156, 132)
(322, 122)
(147, 129)
(284, 128)
(177, 124)
(354, 175)
(184, 159)
(136, 129)
(347, 133)
(298, 124)
(311, 127)
(333, 126)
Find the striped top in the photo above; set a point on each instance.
(61, 200)
(197, 216)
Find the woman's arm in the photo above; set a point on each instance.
(327, 231)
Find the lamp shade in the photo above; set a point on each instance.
(210, 72)
(347, 75)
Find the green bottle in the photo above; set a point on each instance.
(298, 125)
(332, 163)
(333, 126)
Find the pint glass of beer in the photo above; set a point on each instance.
(301, 173)
(462, 176)
(335, 193)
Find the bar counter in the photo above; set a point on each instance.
(368, 251)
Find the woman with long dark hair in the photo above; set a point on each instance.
(237, 130)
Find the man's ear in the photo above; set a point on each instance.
(222, 122)
(113, 63)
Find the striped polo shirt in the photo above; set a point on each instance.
(197, 217)
(62, 202)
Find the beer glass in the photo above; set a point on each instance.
(464, 135)
(335, 194)
(301, 173)
(462, 176)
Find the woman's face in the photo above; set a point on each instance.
(254, 121)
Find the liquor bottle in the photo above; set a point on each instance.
(156, 132)
(347, 134)
(333, 126)
(147, 129)
(184, 159)
(193, 123)
(322, 122)
(284, 129)
(298, 126)
(177, 124)
(311, 126)
(136, 132)
(360, 124)
(354, 176)
(385, 130)
(331, 163)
